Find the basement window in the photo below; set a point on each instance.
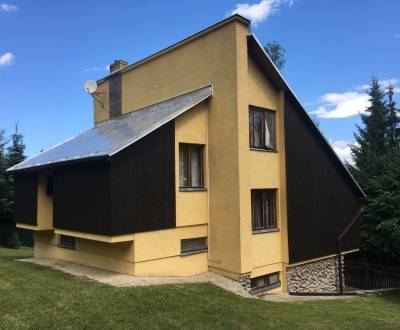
(263, 209)
(265, 282)
(67, 242)
(262, 129)
(193, 245)
(190, 166)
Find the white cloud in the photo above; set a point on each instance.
(6, 59)
(259, 12)
(8, 8)
(349, 103)
(97, 69)
(342, 105)
(342, 149)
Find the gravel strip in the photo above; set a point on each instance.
(122, 280)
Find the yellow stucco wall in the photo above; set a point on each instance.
(261, 253)
(191, 206)
(156, 253)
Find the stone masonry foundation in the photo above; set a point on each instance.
(315, 277)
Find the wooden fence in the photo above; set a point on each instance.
(369, 276)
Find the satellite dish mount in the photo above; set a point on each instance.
(91, 87)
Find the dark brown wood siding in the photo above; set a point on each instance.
(143, 184)
(321, 198)
(25, 207)
(81, 198)
(115, 95)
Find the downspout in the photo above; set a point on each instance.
(339, 248)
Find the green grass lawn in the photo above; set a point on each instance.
(37, 297)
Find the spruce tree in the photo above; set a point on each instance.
(15, 152)
(376, 156)
(394, 119)
(4, 191)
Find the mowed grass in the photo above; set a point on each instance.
(36, 297)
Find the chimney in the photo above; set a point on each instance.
(118, 65)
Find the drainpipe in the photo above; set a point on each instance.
(339, 248)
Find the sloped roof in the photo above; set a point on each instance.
(267, 65)
(111, 136)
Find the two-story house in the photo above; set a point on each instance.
(201, 159)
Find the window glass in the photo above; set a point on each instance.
(262, 129)
(257, 124)
(183, 179)
(263, 209)
(193, 244)
(195, 167)
(190, 166)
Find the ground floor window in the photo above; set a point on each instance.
(265, 282)
(67, 242)
(263, 209)
(193, 245)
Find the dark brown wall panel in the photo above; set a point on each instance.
(25, 209)
(81, 198)
(143, 184)
(321, 197)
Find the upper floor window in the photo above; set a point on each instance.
(262, 129)
(190, 166)
(263, 207)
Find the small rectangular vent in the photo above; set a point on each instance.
(67, 242)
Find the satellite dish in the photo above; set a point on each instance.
(90, 86)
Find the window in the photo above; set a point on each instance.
(193, 245)
(49, 186)
(67, 242)
(265, 282)
(190, 166)
(263, 209)
(262, 129)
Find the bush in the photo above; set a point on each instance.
(13, 240)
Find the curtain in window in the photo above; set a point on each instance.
(257, 210)
(269, 130)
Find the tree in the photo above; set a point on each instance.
(4, 188)
(15, 152)
(277, 53)
(394, 119)
(371, 139)
(376, 156)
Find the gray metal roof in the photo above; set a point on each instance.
(111, 136)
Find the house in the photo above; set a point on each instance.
(201, 159)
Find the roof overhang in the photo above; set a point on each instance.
(96, 237)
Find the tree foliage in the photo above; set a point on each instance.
(11, 152)
(277, 53)
(376, 156)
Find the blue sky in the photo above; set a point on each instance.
(49, 48)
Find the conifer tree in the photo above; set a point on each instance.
(394, 119)
(4, 191)
(376, 157)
